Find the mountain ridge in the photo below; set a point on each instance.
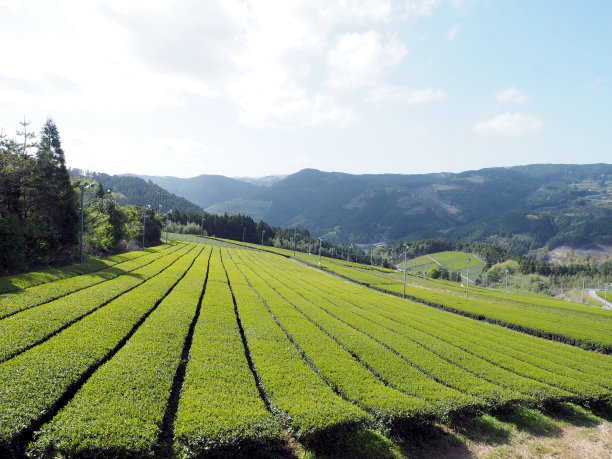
(521, 207)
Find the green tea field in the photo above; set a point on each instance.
(196, 349)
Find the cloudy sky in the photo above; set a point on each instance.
(271, 87)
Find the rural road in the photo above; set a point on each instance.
(606, 304)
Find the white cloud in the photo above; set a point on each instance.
(510, 95)
(174, 156)
(361, 59)
(376, 11)
(411, 97)
(10, 4)
(285, 106)
(420, 7)
(279, 63)
(510, 124)
(595, 83)
(452, 33)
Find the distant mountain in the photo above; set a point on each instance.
(268, 180)
(136, 191)
(204, 190)
(522, 208)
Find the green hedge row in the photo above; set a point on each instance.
(120, 410)
(220, 405)
(584, 374)
(437, 366)
(384, 361)
(26, 280)
(541, 351)
(337, 366)
(308, 408)
(23, 330)
(572, 325)
(34, 384)
(539, 383)
(12, 303)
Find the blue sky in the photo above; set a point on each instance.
(270, 87)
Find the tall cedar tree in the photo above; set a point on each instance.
(56, 202)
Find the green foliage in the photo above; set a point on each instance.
(20, 331)
(134, 191)
(499, 269)
(276, 345)
(36, 379)
(435, 272)
(219, 405)
(56, 206)
(38, 208)
(32, 279)
(278, 361)
(397, 372)
(418, 333)
(70, 282)
(131, 390)
(536, 314)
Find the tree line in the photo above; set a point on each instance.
(40, 207)
(493, 254)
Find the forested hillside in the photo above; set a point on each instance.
(136, 191)
(203, 190)
(521, 208)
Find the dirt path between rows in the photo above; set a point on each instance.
(606, 304)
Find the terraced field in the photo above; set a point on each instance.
(571, 323)
(536, 314)
(195, 349)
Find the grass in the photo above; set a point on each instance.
(449, 260)
(566, 431)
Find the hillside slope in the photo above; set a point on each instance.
(204, 190)
(523, 208)
(136, 191)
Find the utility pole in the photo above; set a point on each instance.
(243, 230)
(82, 187)
(320, 242)
(467, 284)
(262, 236)
(203, 227)
(144, 223)
(294, 239)
(405, 267)
(522, 278)
(506, 285)
(167, 218)
(582, 290)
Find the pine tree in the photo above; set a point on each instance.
(28, 137)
